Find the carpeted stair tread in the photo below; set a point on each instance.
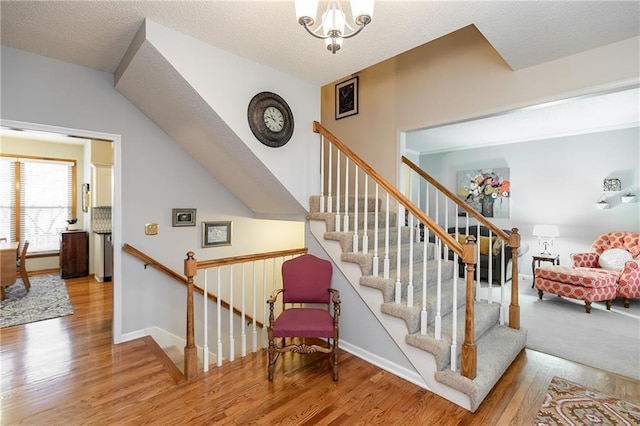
(365, 261)
(330, 220)
(486, 316)
(497, 349)
(314, 203)
(409, 314)
(346, 239)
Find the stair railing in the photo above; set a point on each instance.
(447, 208)
(333, 153)
(230, 280)
(252, 302)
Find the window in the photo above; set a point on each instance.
(36, 198)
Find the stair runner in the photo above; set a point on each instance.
(497, 345)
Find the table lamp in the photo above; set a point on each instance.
(545, 234)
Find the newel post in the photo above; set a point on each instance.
(514, 308)
(469, 348)
(190, 350)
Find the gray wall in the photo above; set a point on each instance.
(558, 181)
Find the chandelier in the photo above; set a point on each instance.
(333, 20)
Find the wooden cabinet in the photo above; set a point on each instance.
(74, 254)
(101, 186)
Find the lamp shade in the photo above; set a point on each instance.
(546, 231)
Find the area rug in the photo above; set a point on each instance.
(568, 403)
(48, 298)
(608, 340)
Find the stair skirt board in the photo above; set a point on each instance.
(497, 345)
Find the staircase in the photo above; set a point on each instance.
(414, 292)
(498, 345)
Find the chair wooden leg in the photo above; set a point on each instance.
(587, 307)
(540, 293)
(25, 279)
(627, 302)
(608, 303)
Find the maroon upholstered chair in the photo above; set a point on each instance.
(306, 282)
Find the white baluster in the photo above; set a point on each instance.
(423, 312)
(265, 295)
(355, 210)
(205, 328)
(243, 335)
(376, 258)
(346, 195)
(398, 297)
(338, 183)
(330, 180)
(219, 321)
(386, 243)
(232, 340)
(454, 315)
(438, 318)
(254, 327)
(410, 283)
(322, 174)
(365, 230)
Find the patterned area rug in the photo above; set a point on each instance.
(47, 299)
(568, 403)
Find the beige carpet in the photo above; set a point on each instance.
(608, 340)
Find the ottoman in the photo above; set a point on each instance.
(586, 284)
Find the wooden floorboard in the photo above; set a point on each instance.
(66, 371)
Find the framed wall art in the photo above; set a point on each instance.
(347, 98)
(216, 234)
(183, 217)
(488, 191)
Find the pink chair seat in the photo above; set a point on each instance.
(304, 322)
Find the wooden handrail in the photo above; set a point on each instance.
(419, 214)
(182, 279)
(212, 263)
(499, 232)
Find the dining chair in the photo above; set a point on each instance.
(21, 265)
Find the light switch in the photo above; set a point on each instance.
(151, 229)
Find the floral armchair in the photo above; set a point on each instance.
(626, 267)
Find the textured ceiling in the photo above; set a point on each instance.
(97, 33)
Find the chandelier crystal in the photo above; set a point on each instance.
(333, 21)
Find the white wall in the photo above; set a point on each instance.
(156, 175)
(558, 181)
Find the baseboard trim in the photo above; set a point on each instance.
(385, 364)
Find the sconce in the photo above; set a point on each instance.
(602, 203)
(628, 197)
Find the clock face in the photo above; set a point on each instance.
(270, 119)
(273, 119)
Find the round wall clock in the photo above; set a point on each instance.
(270, 119)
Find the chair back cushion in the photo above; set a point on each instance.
(629, 241)
(306, 279)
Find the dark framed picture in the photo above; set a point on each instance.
(216, 234)
(347, 98)
(183, 217)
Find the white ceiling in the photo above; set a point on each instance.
(96, 34)
(584, 114)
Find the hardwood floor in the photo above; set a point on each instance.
(66, 371)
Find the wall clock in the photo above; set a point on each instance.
(270, 119)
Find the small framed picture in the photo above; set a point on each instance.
(347, 98)
(183, 217)
(216, 234)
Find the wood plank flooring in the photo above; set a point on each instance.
(65, 371)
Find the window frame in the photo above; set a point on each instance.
(18, 183)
